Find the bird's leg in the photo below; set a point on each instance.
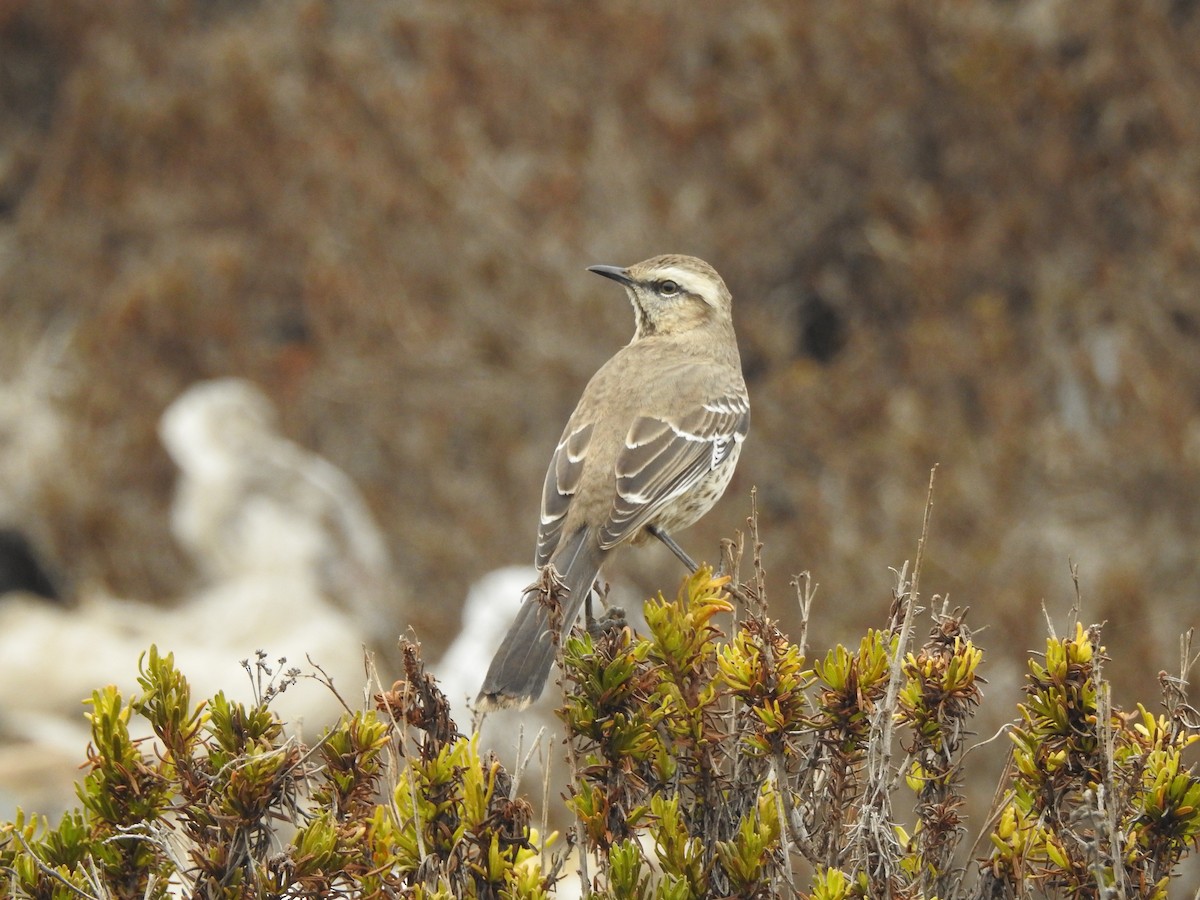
(593, 626)
(673, 547)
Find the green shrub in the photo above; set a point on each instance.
(710, 759)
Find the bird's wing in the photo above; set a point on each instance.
(562, 481)
(664, 456)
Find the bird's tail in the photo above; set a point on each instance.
(520, 667)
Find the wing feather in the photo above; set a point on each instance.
(562, 481)
(666, 456)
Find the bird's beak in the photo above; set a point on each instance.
(616, 273)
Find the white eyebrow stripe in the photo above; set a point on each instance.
(690, 281)
(683, 276)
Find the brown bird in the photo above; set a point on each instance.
(648, 451)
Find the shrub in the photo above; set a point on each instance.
(710, 758)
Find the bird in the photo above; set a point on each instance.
(649, 449)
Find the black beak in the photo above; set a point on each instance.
(616, 273)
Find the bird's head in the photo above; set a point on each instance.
(672, 294)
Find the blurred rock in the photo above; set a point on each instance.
(251, 505)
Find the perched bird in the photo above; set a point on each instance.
(649, 449)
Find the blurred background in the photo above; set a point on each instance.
(962, 233)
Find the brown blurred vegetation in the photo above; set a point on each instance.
(964, 233)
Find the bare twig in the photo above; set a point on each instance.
(806, 590)
(49, 872)
(875, 825)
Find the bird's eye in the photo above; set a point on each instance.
(668, 288)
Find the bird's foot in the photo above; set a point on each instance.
(612, 621)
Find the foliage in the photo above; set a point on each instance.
(377, 808)
(705, 765)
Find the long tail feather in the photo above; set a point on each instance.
(521, 666)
